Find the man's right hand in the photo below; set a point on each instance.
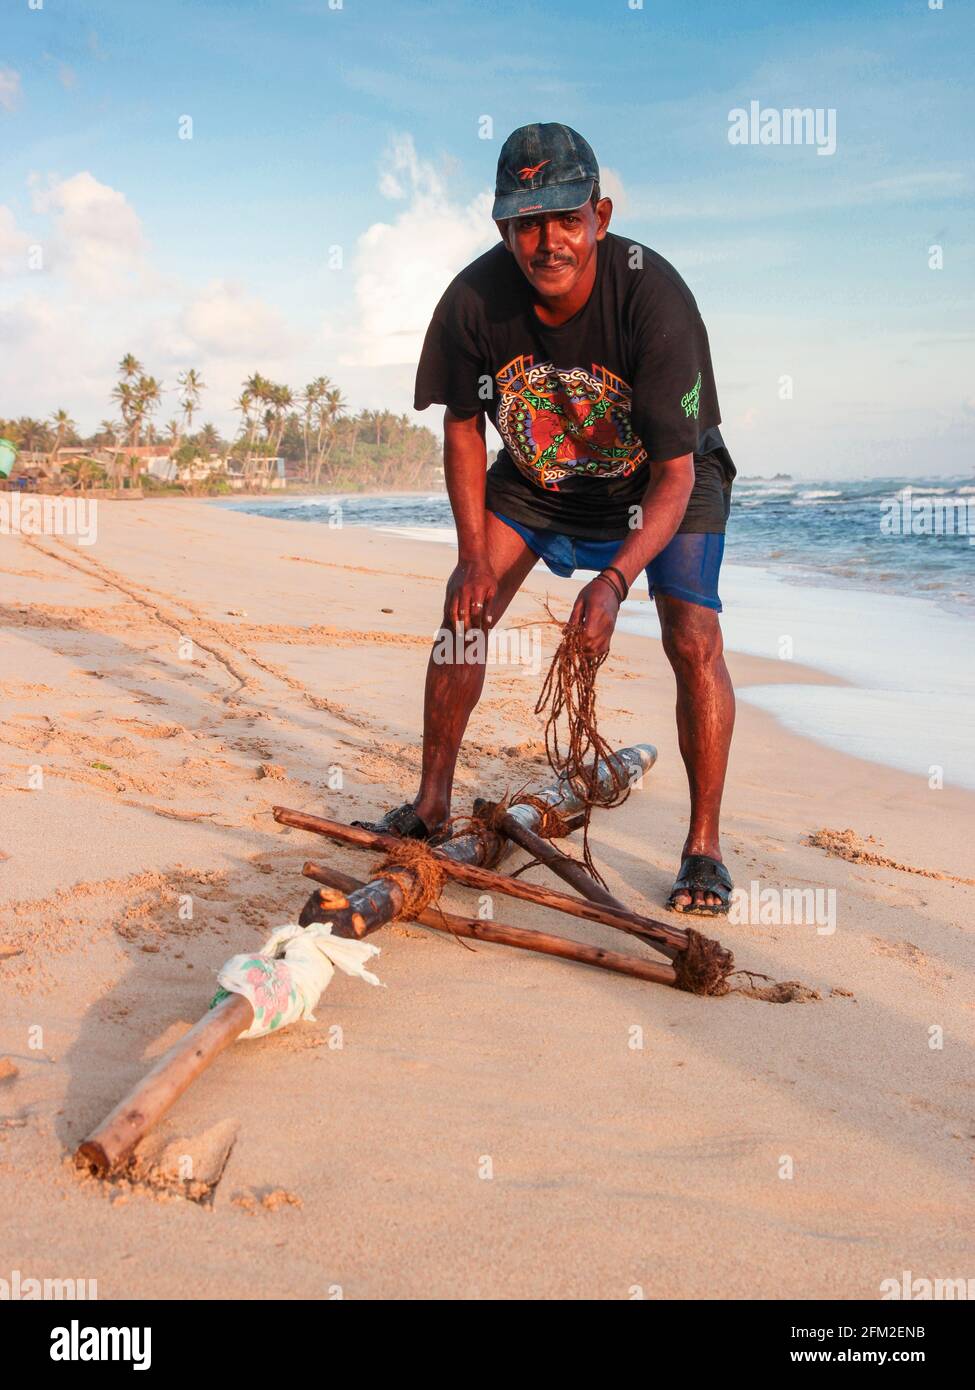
(470, 592)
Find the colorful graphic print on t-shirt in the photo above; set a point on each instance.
(559, 422)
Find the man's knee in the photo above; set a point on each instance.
(692, 639)
(460, 649)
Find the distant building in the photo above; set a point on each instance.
(164, 470)
(201, 468)
(142, 453)
(256, 471)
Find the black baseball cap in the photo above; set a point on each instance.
(543, 168)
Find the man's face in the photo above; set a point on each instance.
(553, 248)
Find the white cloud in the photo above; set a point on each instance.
(13, 243)
(224, 320)
(9, 89)
(97, 236)
(611, 186)
(397, 279)
(100, 297)
(57, 357)
(28, 322)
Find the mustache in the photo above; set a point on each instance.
(549, 262)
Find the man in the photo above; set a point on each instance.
(590, 355)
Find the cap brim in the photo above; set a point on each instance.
(561, 197)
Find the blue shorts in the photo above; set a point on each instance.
(687, 567)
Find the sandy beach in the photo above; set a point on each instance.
(490, 1124)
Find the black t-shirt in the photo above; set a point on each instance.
(585, 408)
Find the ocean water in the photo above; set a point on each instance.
(810, 577)
(828, 533)
(908, 663)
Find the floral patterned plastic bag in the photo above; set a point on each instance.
(286, 978)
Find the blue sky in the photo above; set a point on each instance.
(359, 128)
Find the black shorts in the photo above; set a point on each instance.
(709, 504)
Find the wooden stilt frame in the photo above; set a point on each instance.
(366, 909)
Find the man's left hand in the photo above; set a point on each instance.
(596, 610)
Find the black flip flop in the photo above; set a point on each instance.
(403, 821)
(699, 873)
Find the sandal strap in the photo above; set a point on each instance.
(402, 821)
(701, 873)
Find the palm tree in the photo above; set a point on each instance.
(63, 426)
(85, 471)
(192, 384)
(149, 397)
(148, 394)
(256, 393)
(282, 401)
(126, 394)
(327, 417)
(208, 440)
(245, 404)
(110, 428)
(350, 428)
(30, 433)
(312, 397)
(268, 404)
(368, 420)
(130, 367)
(137, 400)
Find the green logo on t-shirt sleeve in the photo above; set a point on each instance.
(692, 401)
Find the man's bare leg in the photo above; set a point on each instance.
(454, 688)
(705, 720)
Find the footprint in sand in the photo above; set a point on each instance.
(715, 1148)
(891, 894)
(908, 954)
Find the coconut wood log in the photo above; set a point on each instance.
(665, 938)
(522, 938)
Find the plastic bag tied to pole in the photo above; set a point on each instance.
(286, 978)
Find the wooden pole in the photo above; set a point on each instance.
(546, 853)
(116, 1137)
(522, 938)
(667, 939)
(370, 907)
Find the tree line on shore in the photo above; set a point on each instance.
(311, 429)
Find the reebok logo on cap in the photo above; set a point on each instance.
(552, 162)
